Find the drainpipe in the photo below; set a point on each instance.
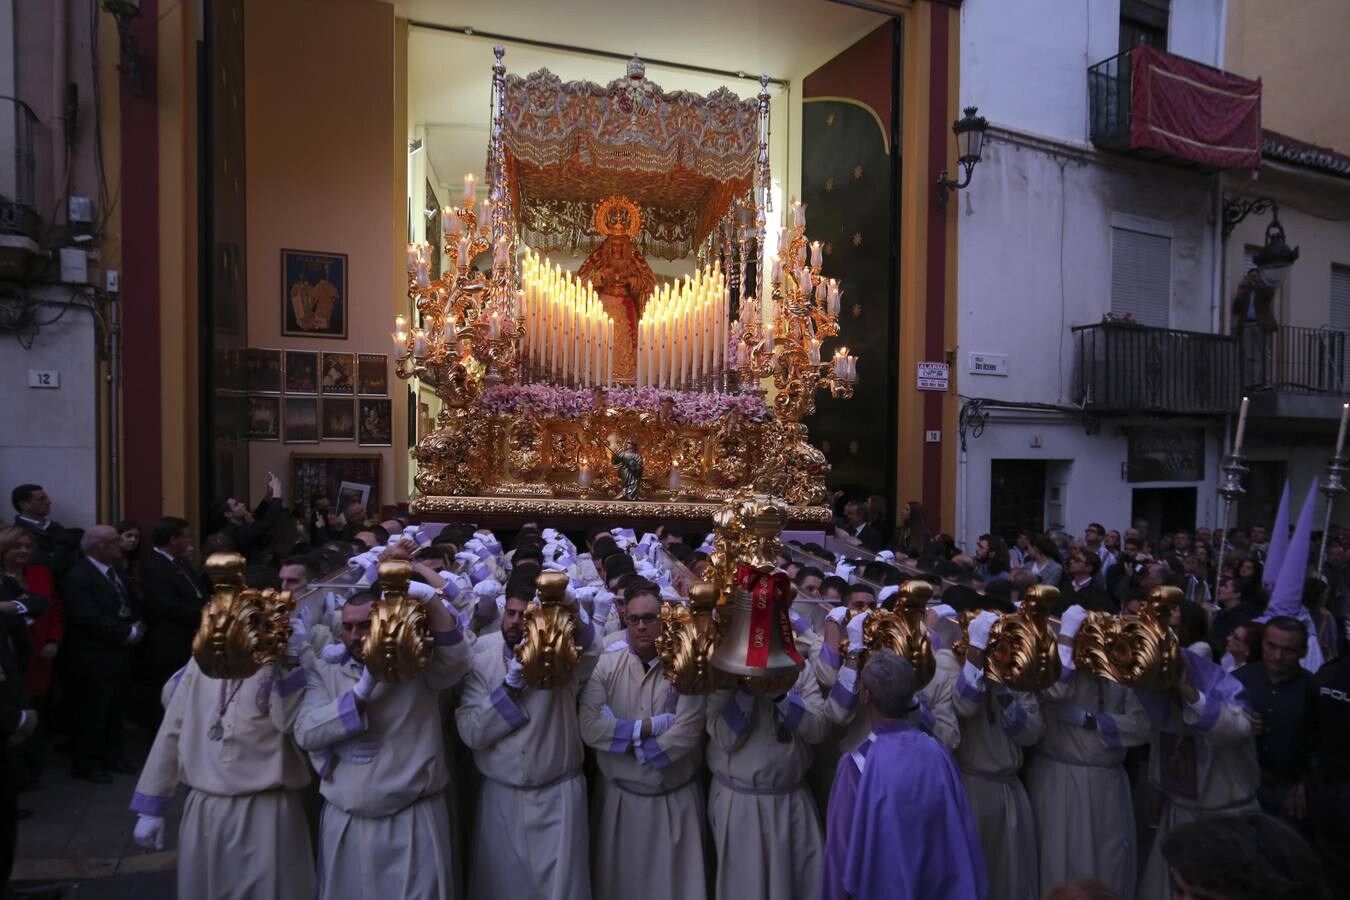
(60, 25)
(114, 407)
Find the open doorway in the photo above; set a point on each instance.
(1016, 497)
(1164, 509)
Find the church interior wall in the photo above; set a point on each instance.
(321, 163)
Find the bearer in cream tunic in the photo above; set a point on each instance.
(647, 811)
(531, 838)
(381, 760)
(996, 724)
(764, 822)
(243, 833)
(1080, 794)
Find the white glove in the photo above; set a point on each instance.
(848, 679)
(855, 631)
(466, 559)
(299, 633)
(515, 675)
(604, 604)
(149, 832)
(422, 592)
(837, 614)
(979, 629)
(365, 686)
(661, 723)
(1072, 620)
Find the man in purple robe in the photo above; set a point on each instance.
(899, 825)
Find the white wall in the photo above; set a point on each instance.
(51, 435)
(1034, 259)
(1024, 62)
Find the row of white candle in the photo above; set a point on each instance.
(682, 336)
(568, 334)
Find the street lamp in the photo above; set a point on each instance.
(1276, 258)
(124, 11)
(969, 131)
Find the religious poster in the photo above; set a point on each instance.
(326, 472)
(263, 373)
(1166, 454)
(302, 372)
(337, 373)
(313, 294)
(372, 374)
(339, 419)
(301, 420)
(264, 418)
(375, 423)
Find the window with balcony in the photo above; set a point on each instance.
(1340, 298)
(1141, 275)
(1144, 22)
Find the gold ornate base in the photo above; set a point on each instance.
(619, 512)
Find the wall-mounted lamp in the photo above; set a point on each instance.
(1276, 258)
(969, 131)
(130, 65)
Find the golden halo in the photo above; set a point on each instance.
(617, 215)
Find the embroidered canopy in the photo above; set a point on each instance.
(681, 157)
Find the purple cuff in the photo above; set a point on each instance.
(731, 714)
(966, 689)
(291, 684)
(447, 638)
(451, 589)
(843, 696)
(149, 804)
(926, 718)
(483, 552)
(351, 719)
(623, 736)
(585, 636)
(792, 709)
(830, 656)
(1110, 732)
(1014, 718)
(801, 624)
(507, 709)
(656, 757)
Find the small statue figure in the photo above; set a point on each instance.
(629, 463)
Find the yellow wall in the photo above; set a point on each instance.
(320, 117)
(1298, 52)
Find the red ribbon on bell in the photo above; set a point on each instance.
(769, 594)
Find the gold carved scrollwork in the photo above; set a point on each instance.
(689, 635)
(231, 639)
(1145, 653)
(548, 650)
(399, 644)
(524, 446)
(1023, 653)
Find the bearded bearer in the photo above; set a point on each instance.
(531, 840)
(764, 822)
(648, 807)
(1080, 794)
(381, 760)
(996, 724)
(243, 833)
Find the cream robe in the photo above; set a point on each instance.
(1080, 794)
(764, 822)
(243, 833)
(935, 715)
(990, 753)
(647, 817)
(530, 839)
(1227, 775)
(384, 831)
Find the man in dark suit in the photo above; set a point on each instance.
(54, 546)
(103, 623)
(1083, 587)
(867, 534)
(173, 593)
(250, 533)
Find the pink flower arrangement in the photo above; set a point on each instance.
(688, 408)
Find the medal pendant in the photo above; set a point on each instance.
(217, 731)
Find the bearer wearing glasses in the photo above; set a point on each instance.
(648, 807)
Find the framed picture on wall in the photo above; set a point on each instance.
(375, 422)
(300, 424)
(264, 418)
(326, 472)
(313, 294)
(337, 373)
(302, 372)
(338, 419)
(372, 374)
(263, 373)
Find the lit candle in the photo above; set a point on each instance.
(817, 255)
(413, 257)
(815, 352)
(501, 253)
(401, 323)
(452, 226)
(1340, 438)
(798, 214)
(584, 477)
(400, 339)
(463, 255)
(1241, 428)
(674, 480)
(470, 189)
(419, 343)
(804, 281)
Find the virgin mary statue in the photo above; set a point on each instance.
(621, 277)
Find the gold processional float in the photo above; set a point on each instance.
(604, 393)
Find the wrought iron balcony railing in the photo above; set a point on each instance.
(18, 169)
(1121, 367)
(1293, 360)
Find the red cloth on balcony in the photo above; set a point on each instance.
(1194, 112)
